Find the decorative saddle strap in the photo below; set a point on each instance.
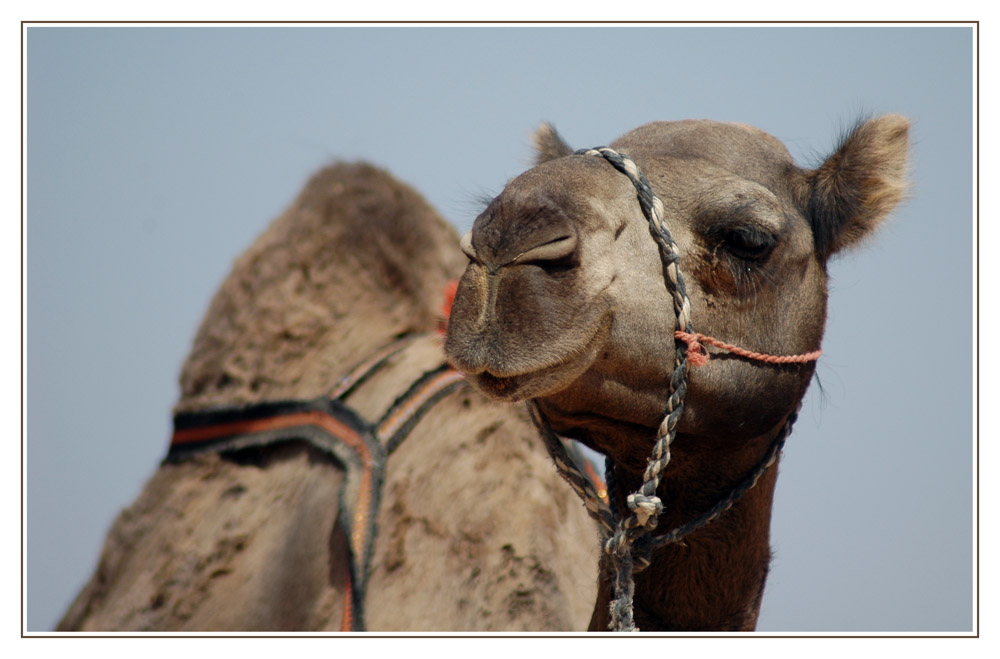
(331, 426)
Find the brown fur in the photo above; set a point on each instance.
(354, 248)
(477, 532)
(859, 184)
(549, 145)
(587, 331)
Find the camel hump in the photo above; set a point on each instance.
(356, 260)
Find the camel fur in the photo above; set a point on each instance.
(476, 530)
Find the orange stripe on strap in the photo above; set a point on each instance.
(347, 618)
(390, 425)
(367, 367)
(249, 426)
(346, 434)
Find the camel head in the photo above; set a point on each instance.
(564, 301)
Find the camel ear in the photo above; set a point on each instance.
(549, 145)
(859, 185)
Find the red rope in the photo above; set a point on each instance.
(347, 617)
(449, 298)
(698, 358)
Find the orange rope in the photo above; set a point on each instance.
(347, 617)
(697, 358)
(449, 298)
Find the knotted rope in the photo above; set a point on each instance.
(627, 541)
(694, 341)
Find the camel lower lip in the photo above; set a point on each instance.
(516, 387)
(544, 380)
(500, 386)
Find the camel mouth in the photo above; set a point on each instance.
(543, 381)
(515, 388)
(501, 388)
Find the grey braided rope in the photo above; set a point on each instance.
(644, 506)
(627, 541)
(645, 547)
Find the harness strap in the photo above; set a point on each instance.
(575, 472)
(357, 375)
(647, 544)
(414, 403)
(328, 424)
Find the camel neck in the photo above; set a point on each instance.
(713, 579)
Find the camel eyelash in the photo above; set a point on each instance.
(747, 242)
(738, 258)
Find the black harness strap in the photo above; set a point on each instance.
(407, 410)
(360, 373)
(328, 424)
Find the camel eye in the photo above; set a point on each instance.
(748, 243)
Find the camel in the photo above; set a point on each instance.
(476, 531)
(568, 301)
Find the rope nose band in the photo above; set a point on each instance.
(697, 358)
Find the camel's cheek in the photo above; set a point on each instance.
(714, 408)
(768, 312)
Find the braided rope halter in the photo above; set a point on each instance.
(627, 541)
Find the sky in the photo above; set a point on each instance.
(155, 155)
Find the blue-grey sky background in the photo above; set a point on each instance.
(156, 154)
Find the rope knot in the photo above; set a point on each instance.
(646, 509)
(696, 354)
(621, 609)
(617, 544)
